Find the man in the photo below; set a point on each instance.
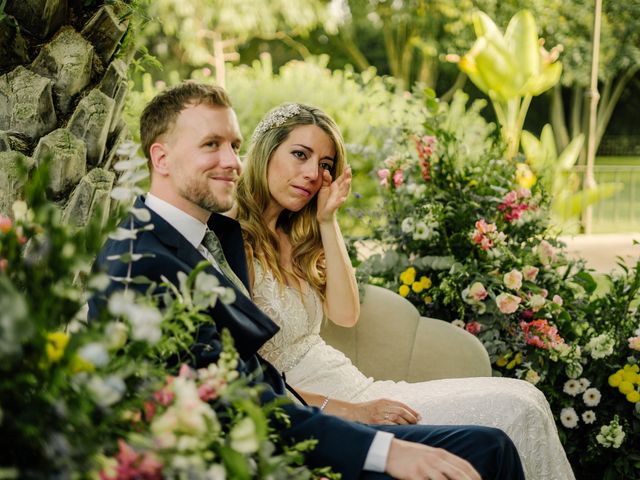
(191, 138)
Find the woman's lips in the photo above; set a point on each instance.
(302, 190)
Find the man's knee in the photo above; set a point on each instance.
(501, 456)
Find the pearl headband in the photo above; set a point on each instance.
(276, 118)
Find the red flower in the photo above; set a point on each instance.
(473, 328)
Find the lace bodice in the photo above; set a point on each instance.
(299, 316)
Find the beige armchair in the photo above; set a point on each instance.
(391, 341)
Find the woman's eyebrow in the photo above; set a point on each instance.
(311, 150)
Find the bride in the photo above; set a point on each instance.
(287, 203)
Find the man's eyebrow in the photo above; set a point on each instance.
(326, 157)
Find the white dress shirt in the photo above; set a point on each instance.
(193, 230)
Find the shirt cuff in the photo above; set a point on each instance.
(376, 460)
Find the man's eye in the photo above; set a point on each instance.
(211, 144)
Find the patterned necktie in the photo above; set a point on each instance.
(211, 243)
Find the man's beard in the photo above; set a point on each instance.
(199, 194)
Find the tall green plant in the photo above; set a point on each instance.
(558, 176)
(511, 69)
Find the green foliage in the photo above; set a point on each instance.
(462, 241)
(100, 399)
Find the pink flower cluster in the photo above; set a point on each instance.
(486, 234)
(385, 173)
(133, 465)
(540, 334)
(424, 146)
(513, 205)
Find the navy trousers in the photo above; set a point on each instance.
(489, 450)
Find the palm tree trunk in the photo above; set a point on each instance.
(62, 92)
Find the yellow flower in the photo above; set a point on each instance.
(56, 344)
(408, 276)
(417, 287)
(631, 368)
(615, 379)
(524, 176)
(633, 397)
(403, 290)
(625, 387)
(502, 361)
(427, 299)
(79, 364)
(425, 281)
(630, 376)
(517, 360)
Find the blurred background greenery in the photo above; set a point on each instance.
(369, 63)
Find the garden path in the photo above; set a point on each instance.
(601, 250)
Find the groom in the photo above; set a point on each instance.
(191, 138)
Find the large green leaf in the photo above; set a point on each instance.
(522, 38)
(570, 154)
(568, 205)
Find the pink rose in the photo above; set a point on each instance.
(536, 302)
(513, 279)
(507, 303)
(477, 291)
(530, 272)
(383, 175)
(473, 328)
(510, 197)
(546, 253)
(557, 299)
(634, 343)
(398, 178)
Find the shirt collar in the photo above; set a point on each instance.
(191, 228)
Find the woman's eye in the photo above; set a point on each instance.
(326, 166)
(299, 154)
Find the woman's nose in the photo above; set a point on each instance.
(311, 171)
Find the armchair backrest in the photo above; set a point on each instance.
(391, 341)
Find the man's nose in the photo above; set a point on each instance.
(229, 158)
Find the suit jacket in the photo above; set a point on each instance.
(342, 445)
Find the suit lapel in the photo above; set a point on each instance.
(233, 249)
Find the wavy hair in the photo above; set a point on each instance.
(253, 197)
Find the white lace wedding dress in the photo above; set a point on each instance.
(515, 406)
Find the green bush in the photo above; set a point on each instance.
(463, 241)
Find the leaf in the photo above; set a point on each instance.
(548, 142)
(570, 154)
(587, 281)
(522, 39)
(122, 193)
(141, 214)
(123, 234)
(569, 205)
(235, 464)
(434, 262)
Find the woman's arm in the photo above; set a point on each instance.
(342, 303)
(382, 411)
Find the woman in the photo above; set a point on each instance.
(287, 203)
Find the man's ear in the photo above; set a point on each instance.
(159, 158)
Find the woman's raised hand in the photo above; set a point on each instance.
(385, 412)
(332, 194)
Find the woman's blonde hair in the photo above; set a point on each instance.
(254, 197)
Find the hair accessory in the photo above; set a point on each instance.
(275, 118)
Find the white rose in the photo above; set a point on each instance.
(243, 436)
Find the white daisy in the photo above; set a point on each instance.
(591, 397)
(589, 417)
(584, 384)
(569, 417)
(571, 387)
(407, 225)
(458, 323)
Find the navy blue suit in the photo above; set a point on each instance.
(341, 444)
